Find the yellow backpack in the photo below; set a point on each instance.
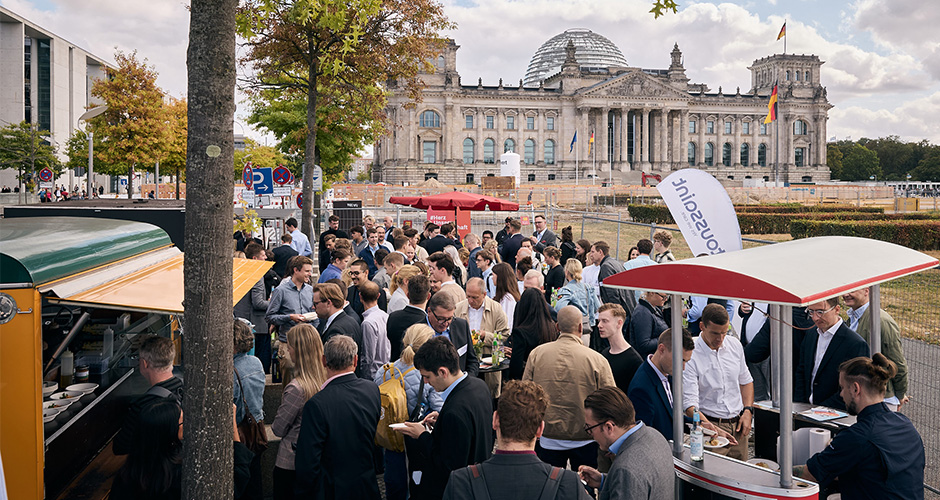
(394, 401)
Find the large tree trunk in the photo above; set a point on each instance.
(306, 214)
(207, 338)
(130, 181)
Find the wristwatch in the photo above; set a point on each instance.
(748, 408)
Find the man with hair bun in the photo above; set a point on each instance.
(881, 455)
(515, 471)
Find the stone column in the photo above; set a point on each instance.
(601, 140)
(540, 137)
(624, 139)
(736, 147)
(664, 140)
(644, 140)
(448, 132)
(700, 147)
(720, 146)
(479, 121)
(412, 135)
(683, 158)
(755, 138)
(584, 133)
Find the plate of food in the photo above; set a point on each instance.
(57, 404)
(49, 415)
(398, 426)
(48, 387)
(86, 388)
(765, 464)
(716, 442)
(67, 395)
(487, 360)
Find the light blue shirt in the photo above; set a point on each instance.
(445, 333)
(855, 315)
(300, 243)
(451, 387)
(642, 261)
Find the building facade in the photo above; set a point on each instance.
(627, 120)
(44, 80)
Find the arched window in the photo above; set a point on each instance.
(709, 154)
(726, 154)
(489, 151)
(430, 118)
(799, 127)
(509, 146)
(692, 154)
(549, 152)
(762, 155)
(468, 151)
(529, 151)
(788, 75)
(440, 62)
(745, 154)
(797, 76)
(807, 76)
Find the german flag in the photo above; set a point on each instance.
(783, 31)
(772, 107)
(591, 143)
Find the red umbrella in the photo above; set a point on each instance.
(454, 200)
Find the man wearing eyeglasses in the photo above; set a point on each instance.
(359, 272)
(441, 310)
(823, 349)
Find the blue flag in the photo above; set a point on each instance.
(573, 140)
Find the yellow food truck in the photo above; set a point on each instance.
(77, 296)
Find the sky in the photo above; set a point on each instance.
(881, 57)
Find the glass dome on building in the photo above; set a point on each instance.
(591, 50)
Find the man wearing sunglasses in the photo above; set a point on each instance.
(824, 348)
(441, 309)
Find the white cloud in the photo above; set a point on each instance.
(913, 120)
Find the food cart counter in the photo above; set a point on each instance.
(80, 291)
(777, 275)
(730, 478)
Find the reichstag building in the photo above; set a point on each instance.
(643, 120)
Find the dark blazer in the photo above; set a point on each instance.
(554, 279)
(609, 267)
(510, 247)
(643, 468)
(646, 325)
(344, 324)
(437, 243)
(366, 255)
(650, 400)
(253, 306)
(398, 322)
(460, 336)
(338, 232)
(758, 349)
(463, 435)
(514, 477)
(282, 254)
(473, 271)
(335, 444)
(355, 301)
(548, 240)
(844, 346)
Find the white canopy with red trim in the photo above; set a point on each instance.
(796, 273)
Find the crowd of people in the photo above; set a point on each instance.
(587, 384)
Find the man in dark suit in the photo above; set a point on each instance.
(823, 349)
(609, 266)
(418, 292)
(437, 243)
(462, 431)
(512, 243)
(441, 309)
(543, 236)
(359, 270)
(282, 254)
(651, 388)
(514, 471)
(758, 349)
(335, 444)
(328, 301)
(348, 308)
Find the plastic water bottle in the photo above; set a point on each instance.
(698, 439)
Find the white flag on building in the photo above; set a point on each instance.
(702, 209)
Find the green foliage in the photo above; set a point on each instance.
(919, 235)
(860, 163)
(761, 219)
(661, 7)
(834, 160)
(259, 156)
(792, 208)
(650, 214)
(779, 223)
(929, 168)
(24, 147)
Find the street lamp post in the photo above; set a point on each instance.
(88, 115)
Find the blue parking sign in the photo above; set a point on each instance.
(262, 181)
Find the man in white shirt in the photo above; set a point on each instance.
(376, 348)
(716, 381)
(645, 247)
(380, 231)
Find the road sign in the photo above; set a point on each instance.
(282, 191)
(283, 176)
(300, 200)
(45, 185)
(246, 175)
(45, 175)
(317, 178)
(261, 181)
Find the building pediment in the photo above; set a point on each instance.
(633, 84)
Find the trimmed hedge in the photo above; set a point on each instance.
(792, 208)
(650, 214)
(916, 234)
(771, 223)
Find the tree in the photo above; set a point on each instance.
(133, 130)
(259, 156)
(25, 147)
(860, 163)
(173, 155)
(834, 160)
(340, 52)
(928, 169)
(207, 302)
(893, 156)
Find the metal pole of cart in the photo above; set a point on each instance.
(775, 369)
(786, 400)
(677, 420)
(874, 305)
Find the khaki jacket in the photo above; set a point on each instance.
(454, 290)
(890, 347)
(569, 371)
(494, 319)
